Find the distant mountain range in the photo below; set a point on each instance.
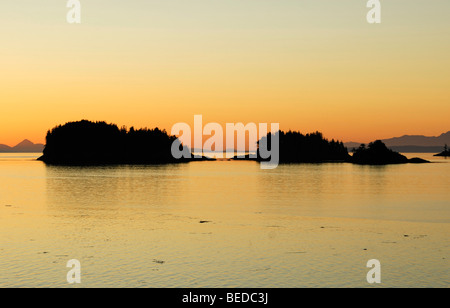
(25, 146)
(413, 143)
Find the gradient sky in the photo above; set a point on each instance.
(307, 64)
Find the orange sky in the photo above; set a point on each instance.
(308, 65)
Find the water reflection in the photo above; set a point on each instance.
(109, 189)
(264, 227)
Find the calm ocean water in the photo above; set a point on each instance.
(295, 226)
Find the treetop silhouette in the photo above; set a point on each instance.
(87, 142)
(310, 148)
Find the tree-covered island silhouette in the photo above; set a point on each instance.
(445, 153)
(99, 143)
(377, 153)
(296, 147)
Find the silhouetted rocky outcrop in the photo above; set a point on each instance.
(89, 143)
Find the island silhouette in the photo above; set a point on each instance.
(377, 153)
(99, 143)
(445, 153)
(296, 147)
